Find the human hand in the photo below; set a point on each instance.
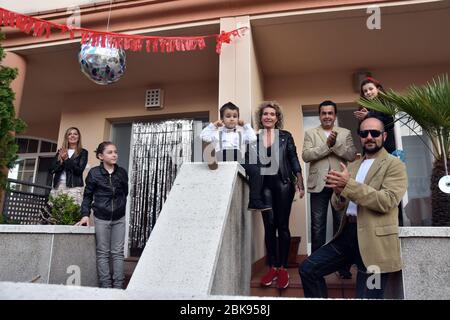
(331, 140)
(300, 188)
(337, 180)
(301, 193)
(218, 123)
(361, 114)
(63, 154)
(241, 122)
(83, 222)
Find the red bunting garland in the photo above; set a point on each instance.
(39, 27)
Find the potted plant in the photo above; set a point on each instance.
(429, 107)
(61, 210)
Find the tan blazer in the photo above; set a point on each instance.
(377, 199)
(322, 159)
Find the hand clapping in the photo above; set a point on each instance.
(361, 114)
(63, 154)
(331, 141)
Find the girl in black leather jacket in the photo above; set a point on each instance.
(106, 193)
(68, 165)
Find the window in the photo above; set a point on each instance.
(48, 146)
(27, 145)
(24, 170)
(35, 156)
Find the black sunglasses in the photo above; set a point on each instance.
(373, 133)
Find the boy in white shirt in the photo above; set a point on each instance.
(228, 140)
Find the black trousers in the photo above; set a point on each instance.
(253, 171)
(335, 255)
(279, 196)
(319, 211)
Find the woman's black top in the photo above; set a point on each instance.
(74, 167)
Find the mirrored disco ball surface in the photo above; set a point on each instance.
(102, 65)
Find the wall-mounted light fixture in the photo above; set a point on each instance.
(358, 77)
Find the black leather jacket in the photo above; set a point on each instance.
(287, 160)
(74, 168)
(105, 193)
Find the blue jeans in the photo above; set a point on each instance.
(334, 256)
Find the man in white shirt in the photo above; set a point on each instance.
(324, 148)
(368, 192)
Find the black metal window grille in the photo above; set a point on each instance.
(23, 201)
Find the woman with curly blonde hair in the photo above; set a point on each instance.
(282, 174)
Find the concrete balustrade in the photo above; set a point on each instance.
(200, 246)
(48, 254)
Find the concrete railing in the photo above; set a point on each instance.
(200, 247)
(201, 243)
(48, 254)
(426, 262)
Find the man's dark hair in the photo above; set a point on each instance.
(230, 106)
(328, 103)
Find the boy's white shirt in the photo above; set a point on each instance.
(230, 137)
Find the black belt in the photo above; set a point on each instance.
(352, 219)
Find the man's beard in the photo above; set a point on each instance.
(374, 149)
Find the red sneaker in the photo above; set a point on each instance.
(283, 278)
(269, 277)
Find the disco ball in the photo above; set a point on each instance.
(102, 65)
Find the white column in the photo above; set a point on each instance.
(239, 75)
(240, 82)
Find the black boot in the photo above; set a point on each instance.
(258, 205)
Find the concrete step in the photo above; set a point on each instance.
(129, 266)
(337, 287)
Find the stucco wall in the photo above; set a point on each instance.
(93, 113)
(36, 6)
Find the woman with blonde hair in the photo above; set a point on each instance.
(282, 175)
(68, 165)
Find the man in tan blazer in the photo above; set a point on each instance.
(368, 192)
(324, 148)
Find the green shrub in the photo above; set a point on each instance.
(9, 124)
(62, 209)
